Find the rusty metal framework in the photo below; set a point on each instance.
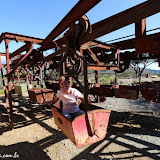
(78, 50)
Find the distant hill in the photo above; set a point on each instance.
(153, 71)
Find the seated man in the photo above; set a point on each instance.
(69, 97)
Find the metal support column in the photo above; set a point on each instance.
(9, 101)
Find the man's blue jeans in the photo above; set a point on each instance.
(73, 115)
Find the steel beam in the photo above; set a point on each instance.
(90, 51)
(1, 37)
(96, 50)
(100, 45)
(20, 50)
(126, 44)
(98, 67)
(21, 38)
(146, 44)
(8, 98)
(75, 13)
(54, 44)
(2, 54)
(51, 56)
(123, 19)
(21, 59)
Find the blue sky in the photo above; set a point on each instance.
(37, 18)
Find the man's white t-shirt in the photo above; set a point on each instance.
(70, 100)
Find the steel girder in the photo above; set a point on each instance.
(21, 38)
(150, 43)
(123, 19)
(75, 13)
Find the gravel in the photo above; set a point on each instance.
(133, 133)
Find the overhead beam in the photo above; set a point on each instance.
(98, 67)
(20, 50)
(51, 56)
(1, 37)
(2, 54)
(147, 44)
(21, 59)
(126, 44)
(21, 38)
(54, 44)
(90, 51)
(100, 45)
(75, 13)
(123, 19)
(98, 50)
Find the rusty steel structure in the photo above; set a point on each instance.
(78, 50)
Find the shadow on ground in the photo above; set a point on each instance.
(129, 136)
(124, 141)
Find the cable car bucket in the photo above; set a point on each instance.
(77, 129)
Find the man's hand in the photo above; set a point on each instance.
(83, 101)
(43, 102)
(89, 100)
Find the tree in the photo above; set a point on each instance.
(140, 65)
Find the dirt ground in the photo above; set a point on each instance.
(133, 133)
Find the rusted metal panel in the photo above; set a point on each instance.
(157, 84)
(64, 124)
(151, 91)
(123, 19)
(37, 94)
(128, 92)
(147, 84)
(149, 94)
(76, 130)
(148, 44)
(103, 90)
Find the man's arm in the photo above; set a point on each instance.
(83, 101)
(50, 102)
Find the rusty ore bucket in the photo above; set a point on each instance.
(36, 94)
(76, 130)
